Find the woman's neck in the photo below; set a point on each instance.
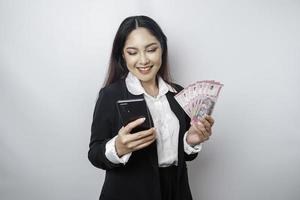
(151, 88)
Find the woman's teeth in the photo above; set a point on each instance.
(144, 69)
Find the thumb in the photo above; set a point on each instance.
(133, 124)
(123, 131)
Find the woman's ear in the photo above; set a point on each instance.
(123, 58)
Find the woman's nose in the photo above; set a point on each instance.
(143, 59)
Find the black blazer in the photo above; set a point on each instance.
(139, 178)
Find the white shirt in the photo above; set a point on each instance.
(165, 122)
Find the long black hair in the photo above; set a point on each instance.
(117, 67)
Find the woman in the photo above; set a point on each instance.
(150, 164)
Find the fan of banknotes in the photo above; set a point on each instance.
(199, 99)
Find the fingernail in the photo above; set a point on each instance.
(142, 119)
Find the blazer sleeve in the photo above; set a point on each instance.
(101, 131)
(194, 155)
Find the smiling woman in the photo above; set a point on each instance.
(128, 41)
(142, 53)
(149, 164)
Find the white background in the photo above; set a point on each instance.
(53, 59)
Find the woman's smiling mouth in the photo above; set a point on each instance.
(144, 70)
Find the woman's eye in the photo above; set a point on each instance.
(151, 50)
(131, 53)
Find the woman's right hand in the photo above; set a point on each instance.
(127, 142)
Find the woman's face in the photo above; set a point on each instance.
(143, 55)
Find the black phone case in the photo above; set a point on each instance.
(132, 109)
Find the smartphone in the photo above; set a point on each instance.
(132, 109)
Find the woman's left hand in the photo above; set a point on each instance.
(200, 131)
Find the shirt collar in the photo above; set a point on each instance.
(135, 87)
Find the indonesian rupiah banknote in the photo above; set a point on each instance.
(199, 99)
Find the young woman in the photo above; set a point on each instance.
(150, 164)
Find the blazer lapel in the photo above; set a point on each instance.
(180, 114)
